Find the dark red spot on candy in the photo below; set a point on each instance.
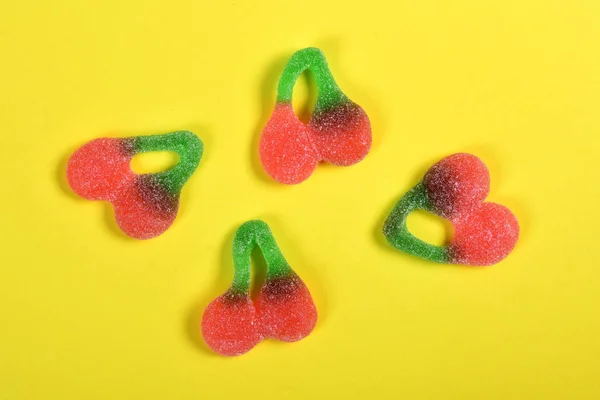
(145, 209)
(100, 168)
(229, 325)
(484, 236)
(456, 184)
(286, 309)
(341, 134)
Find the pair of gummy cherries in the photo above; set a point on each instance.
(146, 205)
(337, 132)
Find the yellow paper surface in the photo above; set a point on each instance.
(90, 314)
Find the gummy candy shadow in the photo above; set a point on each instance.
(455, 189)
(233, 323)
(145, 205)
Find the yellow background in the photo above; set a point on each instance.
(90, 314)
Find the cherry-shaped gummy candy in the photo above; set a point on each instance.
(145, 205)
(455, 188)
(338, 130)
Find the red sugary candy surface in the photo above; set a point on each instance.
(341, 135)
(455, 189)
(233, 324)
(484, 233)
(100, 170)
(97, 170)
(484, 236)
(145, 209)
(229, 325)
(338, 131)
(145, 205)
(456, 184)
(286, 151)
(286, 309)
(290, 150)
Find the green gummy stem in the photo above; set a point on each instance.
(188, 147)
(398, 235)
(251, 234)
(311, 59)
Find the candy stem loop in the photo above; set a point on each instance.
(396, 229)
(188, 147)
(249, 235)
(314, 60)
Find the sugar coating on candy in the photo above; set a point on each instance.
(146, 204)
(455, 188)
(342, 134)
(97, 170)
(338, 131)
(396, 230)
(229, 325)
(233, 324)
(145, 208)
(484, 236)
(456, 183)
(286, 309)
(285, 148)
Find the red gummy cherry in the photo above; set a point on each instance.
(456, 184)
(97, 170)
(229, 325)
(286, 151)
(455, 189)
(145, 205)
(145, 209)
(286, 309)
(342, 134)
(484, 236)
